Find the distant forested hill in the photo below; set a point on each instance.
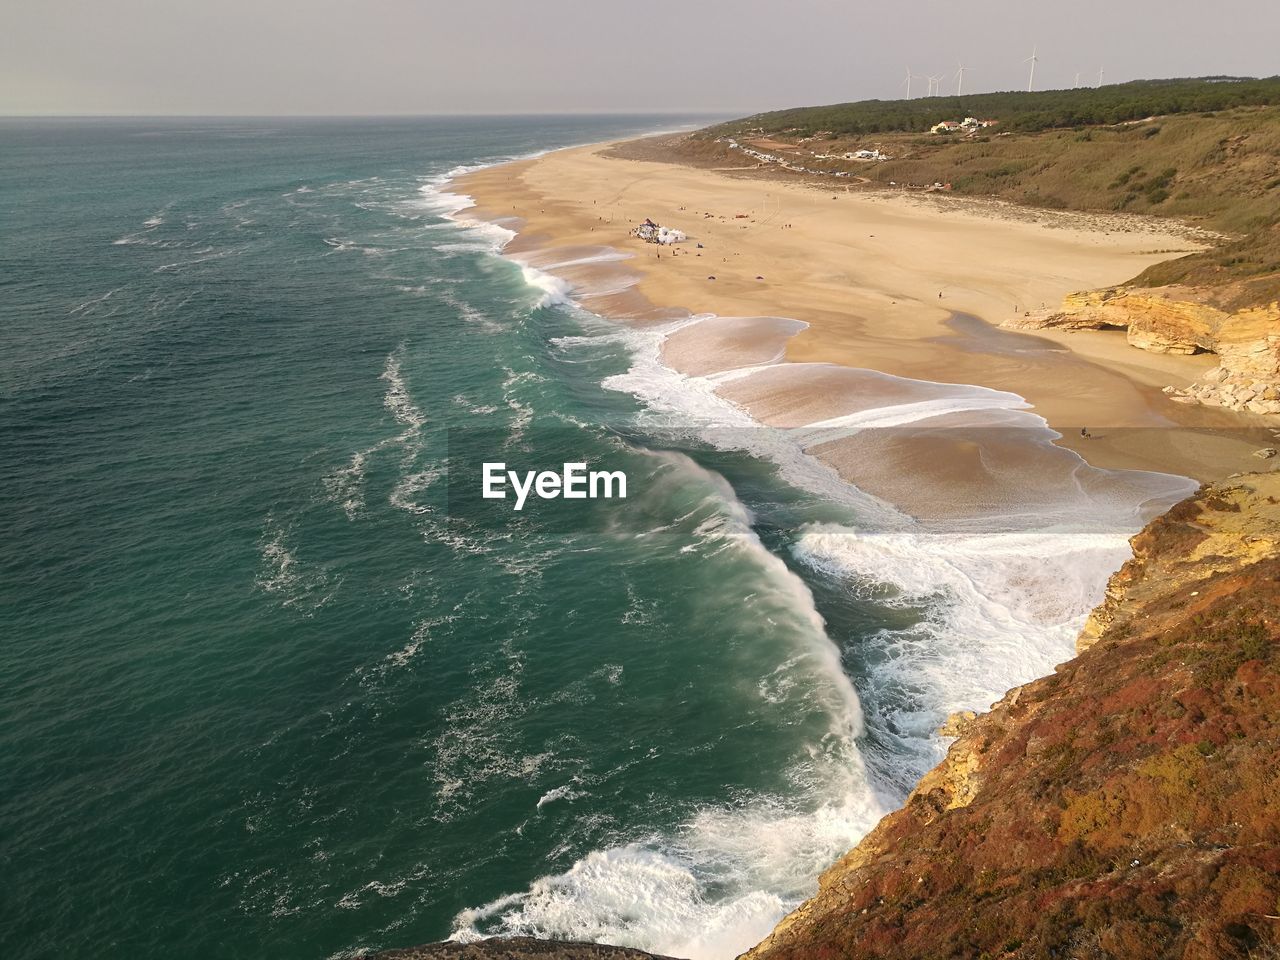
(1016, 111)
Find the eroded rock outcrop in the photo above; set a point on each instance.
(1185, 320)
(1127, 806)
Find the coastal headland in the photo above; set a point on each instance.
(830, 280)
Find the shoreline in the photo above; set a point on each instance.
(857, 278)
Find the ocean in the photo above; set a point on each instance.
(274, 684)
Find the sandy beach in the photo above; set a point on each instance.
(825, 279)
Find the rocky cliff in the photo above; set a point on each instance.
(1177, 319)
(1127, 806)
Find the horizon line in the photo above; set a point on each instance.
(363, 116)
(743, 113)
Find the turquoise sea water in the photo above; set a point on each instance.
(263, 692)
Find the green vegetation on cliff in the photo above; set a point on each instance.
(1240, 273)
(1220, 172)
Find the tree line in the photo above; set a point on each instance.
(1019, 111)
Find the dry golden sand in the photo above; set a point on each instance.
(864, 272)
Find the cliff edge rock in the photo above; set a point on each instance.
(1177, 319)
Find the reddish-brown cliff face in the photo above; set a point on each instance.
(1127, 806)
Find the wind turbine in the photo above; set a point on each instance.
(1033, 60)
(1077, 83)
(935, 86)
(960, 69)
(1100, 76)
(907, 83)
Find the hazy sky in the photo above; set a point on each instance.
(519, 56)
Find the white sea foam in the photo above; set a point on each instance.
(421, 634)
(477, 246)
(478, 742)
(522, 411)
(470, 314)
(203, 255)
(345, 486)
(964, 400)
(354, 899)
(158, 218)
(406, 492)
(445, 203)
(779, 587)
(90, 306)
(397, 398)
(762, 861)
(562, 792)
(281, 574)
(479, 410)
(436, 199)
(995, 610)
(555, 291)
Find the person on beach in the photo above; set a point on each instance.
(1085, 434)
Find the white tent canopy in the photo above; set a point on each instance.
(650, 232)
